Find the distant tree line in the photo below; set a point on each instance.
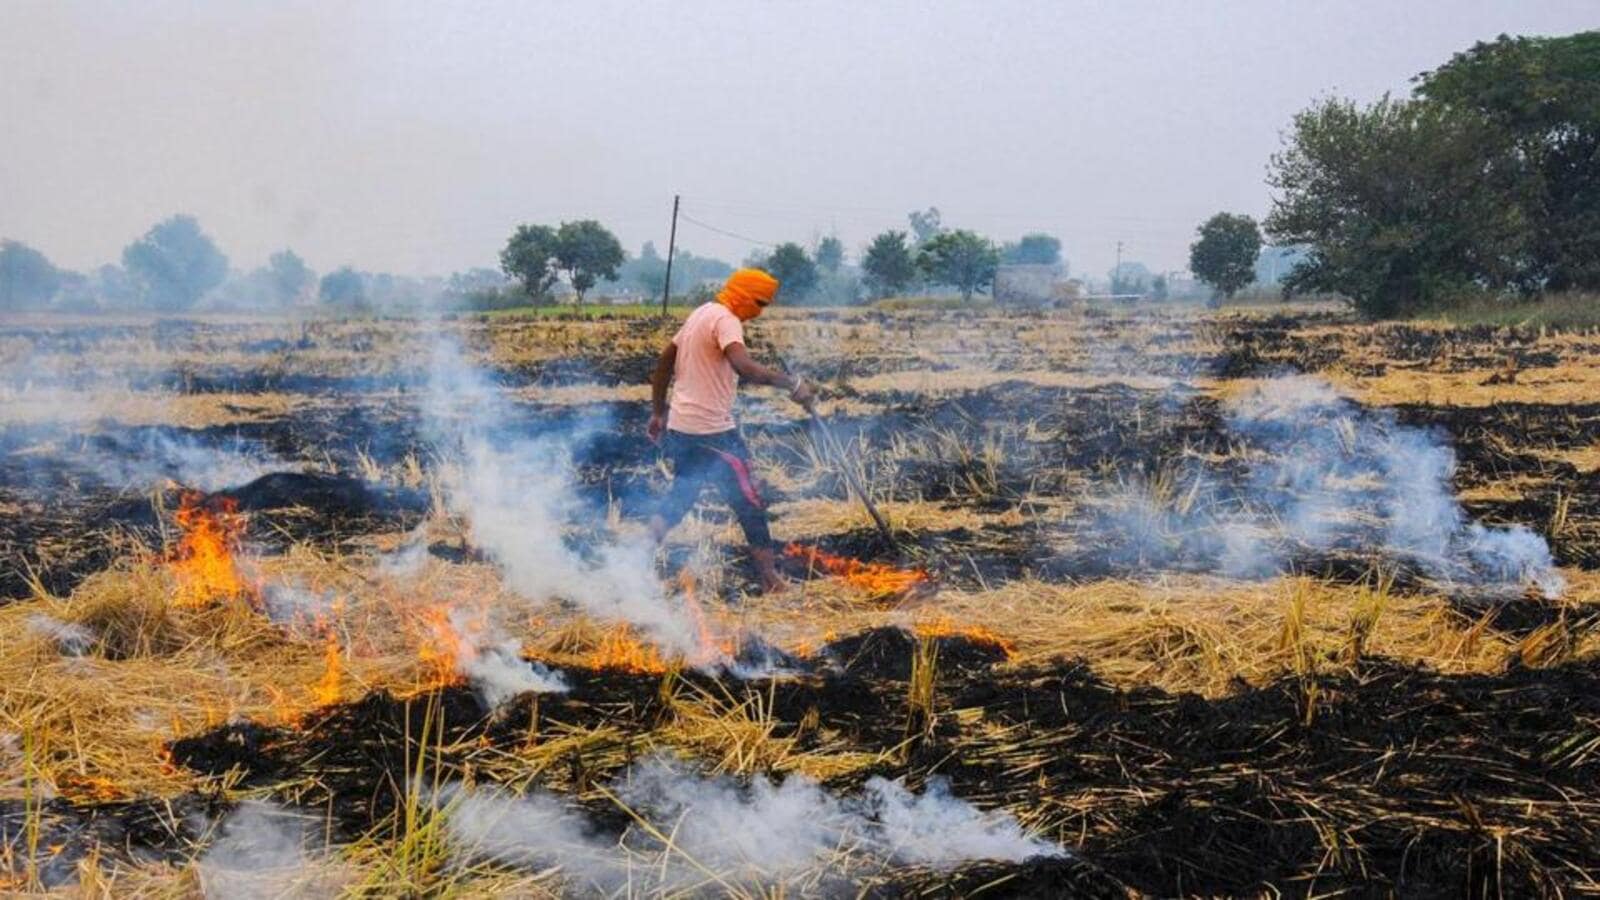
(175, 267)
(1486, 180)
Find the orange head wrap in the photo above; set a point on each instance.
(746, 292)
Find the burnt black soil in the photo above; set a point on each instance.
(134, 831)
(1256, 347)
(290, 507)
(886, 654)
(1041, 878)
(1433, 785)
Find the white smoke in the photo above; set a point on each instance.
(406, 560)
(190, 462)
(1323, 472)
(940, 829)
(298, 609)
(763, 832)
(70, 638)
(261, 851)
(516, 493)
(492, 661)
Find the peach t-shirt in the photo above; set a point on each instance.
(703, 379)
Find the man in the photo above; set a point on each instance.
(704, 362)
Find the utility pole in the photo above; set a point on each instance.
(1116, 274)
(672, 245)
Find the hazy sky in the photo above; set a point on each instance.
(412, 137)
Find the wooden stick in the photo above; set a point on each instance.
(832, 444)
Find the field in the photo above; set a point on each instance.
(1252, 602)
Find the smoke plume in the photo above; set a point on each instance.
(760, 833)
(1324, 473)
(516, 493)
(261, 850)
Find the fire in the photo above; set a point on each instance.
(204, 559)
(619, 649)
(442, 647)
(326, 692)
(943, 626)
(709, 648)
(875, 578)
(90, 788)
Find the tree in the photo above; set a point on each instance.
(924, 224)
(888, 264)
(112, 285)
(1395, 206)
(961, 259)
(646, 271)
(587, 252)
(481, 289)
(829, 254)
(289, 276)
(1540, 100)
(1033, 250)
(174, 263)
(343, 288)
(530, 257)
(795, 271)
(1225, 255)
(27, 279)
(1158, 287)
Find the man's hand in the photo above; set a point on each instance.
(804, 394)
(656, 428)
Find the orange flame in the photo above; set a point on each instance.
(875, 578)
(620, 650)
(709, 648)
(441, 648)
(90, 788)
(204, 559)
(326, 692)
(943, 626)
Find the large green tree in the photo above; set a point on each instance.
(1225, 254)
(1540, 100)
(530, 258)
(1487, 180)
(27, 278)
(796, 272)
(588, 252)
(174, 263)
(888, 264)
(1394, 205)
(961, 259)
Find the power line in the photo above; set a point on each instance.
(722, 231)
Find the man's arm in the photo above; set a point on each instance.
(659, 379)
(752, 371)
